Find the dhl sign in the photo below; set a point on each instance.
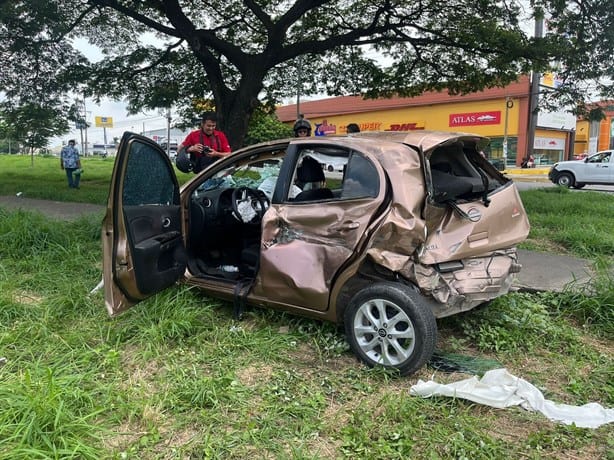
(406, 126)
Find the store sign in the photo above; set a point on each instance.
(550, 80)
(406, 126)
(366, 126)
(325, 129)
(549, 143)
(475, 118)
(104, 122)
(556, 120)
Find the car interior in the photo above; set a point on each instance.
(460, 174)
(226, 211)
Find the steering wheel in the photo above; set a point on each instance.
(248, 205)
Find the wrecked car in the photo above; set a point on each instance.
(411, 227)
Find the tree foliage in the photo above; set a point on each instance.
(36, 75)
(265, 127)
(245, 54)
(32, 124)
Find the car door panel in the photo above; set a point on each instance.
(155, 235)
(143, 246)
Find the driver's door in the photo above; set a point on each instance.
(143, 249)
(598, 168)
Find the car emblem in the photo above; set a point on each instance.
(474, 214)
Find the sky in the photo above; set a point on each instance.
(116, 110)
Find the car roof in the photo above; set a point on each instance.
(423, 139)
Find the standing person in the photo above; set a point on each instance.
(70, 162)
(205, 145)
(302, 127)
(352, 128)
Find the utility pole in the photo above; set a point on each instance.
(168, 132)
(299, 84)
(85, 120)
(534, 94)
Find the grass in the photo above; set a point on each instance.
(41, 177)
(178, 377)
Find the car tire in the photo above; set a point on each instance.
(565, 180)
(331, 168)
(578, 185)
(391, 325)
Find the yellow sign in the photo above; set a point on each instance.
(104, 122)
(550, 80)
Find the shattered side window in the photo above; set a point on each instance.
(260, 172)
(327, 173)
(361, 179)
(148, 178)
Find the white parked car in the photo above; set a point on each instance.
(594, 169)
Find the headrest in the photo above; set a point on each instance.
(310, 171)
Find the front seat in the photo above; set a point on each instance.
(311, 176)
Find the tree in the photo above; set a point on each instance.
(36, 73)
(32, 125)
(242, 54)
(265, 127)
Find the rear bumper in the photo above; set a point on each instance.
(466, 283)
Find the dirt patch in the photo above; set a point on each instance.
(27, 298)
(255, 375)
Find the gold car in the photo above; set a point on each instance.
(406, 228)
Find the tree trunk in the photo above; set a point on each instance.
(235, 108)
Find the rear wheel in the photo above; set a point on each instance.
(391, 325)
(565, 180)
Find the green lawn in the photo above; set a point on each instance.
(178, 378)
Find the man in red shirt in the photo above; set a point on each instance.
(205, 145)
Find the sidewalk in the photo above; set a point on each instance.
(544, 271)
(54, 209)
(540, 271)
(528, 174)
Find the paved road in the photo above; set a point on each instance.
(532, 182)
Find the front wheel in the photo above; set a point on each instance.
(565, 180)
(391, 325)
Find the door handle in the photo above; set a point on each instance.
(348, 226)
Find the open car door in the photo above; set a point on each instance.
(143, 245)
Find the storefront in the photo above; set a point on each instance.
(498, 113)
(549, 147)
(597, 135)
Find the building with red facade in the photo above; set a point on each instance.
(502, 114)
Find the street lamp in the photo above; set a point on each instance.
(508, 105)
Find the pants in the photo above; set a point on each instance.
(73, 180)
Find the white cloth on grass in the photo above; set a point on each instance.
(498, 388)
